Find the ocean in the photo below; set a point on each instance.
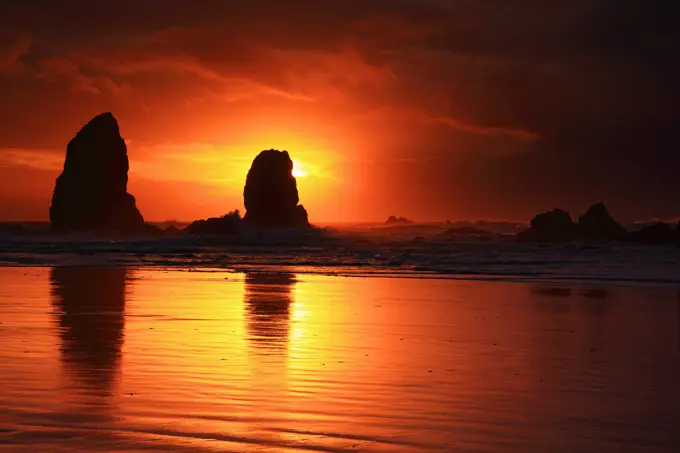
(419, 251)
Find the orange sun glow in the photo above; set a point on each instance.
(298, 170)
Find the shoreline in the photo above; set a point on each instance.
(566, 281)
(356, 255)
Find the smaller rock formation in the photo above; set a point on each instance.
(151, 230)
(227, 224)
(656, 234)
(555, 225)
(91, 192)
(394, 220)
(172, 230)
(597, 225)
(270, 194)
(12, 229)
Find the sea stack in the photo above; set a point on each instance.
(555, 225)
(655, 234)
(597, 225)
(394, 220)
(91, 192)
(270, 194)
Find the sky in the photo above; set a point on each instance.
(428, 109)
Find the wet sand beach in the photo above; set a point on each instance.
(107, 359)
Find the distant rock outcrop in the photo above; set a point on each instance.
(12, 229)
(394, 220)
(227, 224)
(270, 194)
(91, 192)
(597, 225)
(172, 230)
(555, 225)
(655, 234)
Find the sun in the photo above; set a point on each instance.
(298, 171)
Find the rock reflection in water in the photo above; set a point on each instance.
(89, 305)
(268, 297)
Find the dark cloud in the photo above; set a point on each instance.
(13, 46)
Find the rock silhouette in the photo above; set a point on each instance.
(270, 194)
(597, 225)
(555, 225)
(91, 192)
(172, 230)
(394, 220)
(655, 234)
(227, 224)
(12, 229)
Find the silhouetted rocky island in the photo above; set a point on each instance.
(172, 230)
(227, 224)
(655, 234)
(596, 225)
(91, 192)
(555, 225)
(12, 229)
(394, 220)
(270, 194)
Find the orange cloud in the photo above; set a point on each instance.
(416, 115)
(39, 159)
(70, 70)
(107, 72)
(232, 71)
(324, 69)
(495, 132)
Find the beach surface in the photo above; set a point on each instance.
(124, 359)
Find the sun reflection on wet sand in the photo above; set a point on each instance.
(101, 359)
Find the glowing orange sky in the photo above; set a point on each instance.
(429, 109)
